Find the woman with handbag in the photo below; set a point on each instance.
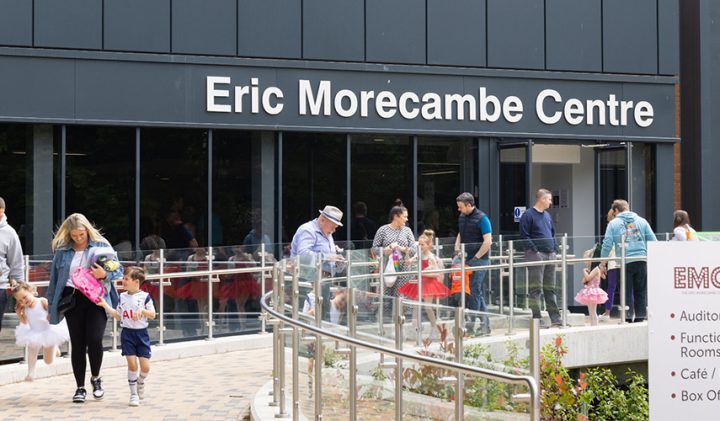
(86, 322)
(397, 242)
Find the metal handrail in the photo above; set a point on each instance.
(450, 365)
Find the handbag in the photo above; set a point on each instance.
(389, 269)
(65, 304)
(86, 283)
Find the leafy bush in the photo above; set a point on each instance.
(594, 395)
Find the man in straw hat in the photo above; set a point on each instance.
(316, 237)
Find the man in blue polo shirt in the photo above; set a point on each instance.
(475, 231)
(538, 232)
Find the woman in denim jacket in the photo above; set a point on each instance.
(86, 321)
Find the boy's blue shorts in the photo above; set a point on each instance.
(135, 342)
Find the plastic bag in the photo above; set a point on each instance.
(390, 269)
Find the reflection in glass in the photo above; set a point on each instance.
(236, 175)
(173, 186)
(16, 155)
(445, 169)
(381, 172)
(314, 175)
(513, 186)
(100, 180)
(612, 183)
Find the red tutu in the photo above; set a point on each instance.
(247, 285)
(228, 289)
(431, 288)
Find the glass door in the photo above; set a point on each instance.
(612, 175)
(514, 177)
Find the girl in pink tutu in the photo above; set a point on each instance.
(592, 295)
(431, 285)
(34, 330)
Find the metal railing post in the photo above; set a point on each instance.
(318, 339)
(381, 288)
(352, 327)
(263, 320)
(459, 333)
(295, 346)
(282, 410)
(563, 279)
(419, 299)
(511, 287)
(161, 298)
(210, 322)
(114, 335)
(462, 275)
(399, 333)
(501, 285)
(26, 268)
(276, 342)
(535, 366)
(623, 269)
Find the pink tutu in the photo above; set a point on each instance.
(591, 295)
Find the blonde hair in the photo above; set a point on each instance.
(428, 235)
(18, 286)
(74, 222)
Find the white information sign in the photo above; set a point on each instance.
(518, 212)
(684, 330)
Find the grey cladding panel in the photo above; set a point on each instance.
(516, 34)
(669, 37)
(334, 30)
(15, 22)
(395, 31)
(68, 24)
(137, 25)
(574, 35)
(204, 27)
(630, 36)
(269, 28)
(456, 32)
(37, 88)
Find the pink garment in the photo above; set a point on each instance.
(592, 293)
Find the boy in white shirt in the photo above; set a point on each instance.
(134, 310)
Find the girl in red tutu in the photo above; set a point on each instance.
(432, 287)
(592, 295)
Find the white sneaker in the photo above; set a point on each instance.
(134, 400)
(604, 318)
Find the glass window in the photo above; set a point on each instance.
(612, 182)
(16, 155)
(381, 173)
(173, 186)
(100, 180)
(445, 169)
(237, 188)
(314, 175)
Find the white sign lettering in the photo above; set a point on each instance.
(321, 98)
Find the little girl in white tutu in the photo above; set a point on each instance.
(34, 330)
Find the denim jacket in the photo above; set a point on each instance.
(60, 272)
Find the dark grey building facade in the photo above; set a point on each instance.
(253, 114)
